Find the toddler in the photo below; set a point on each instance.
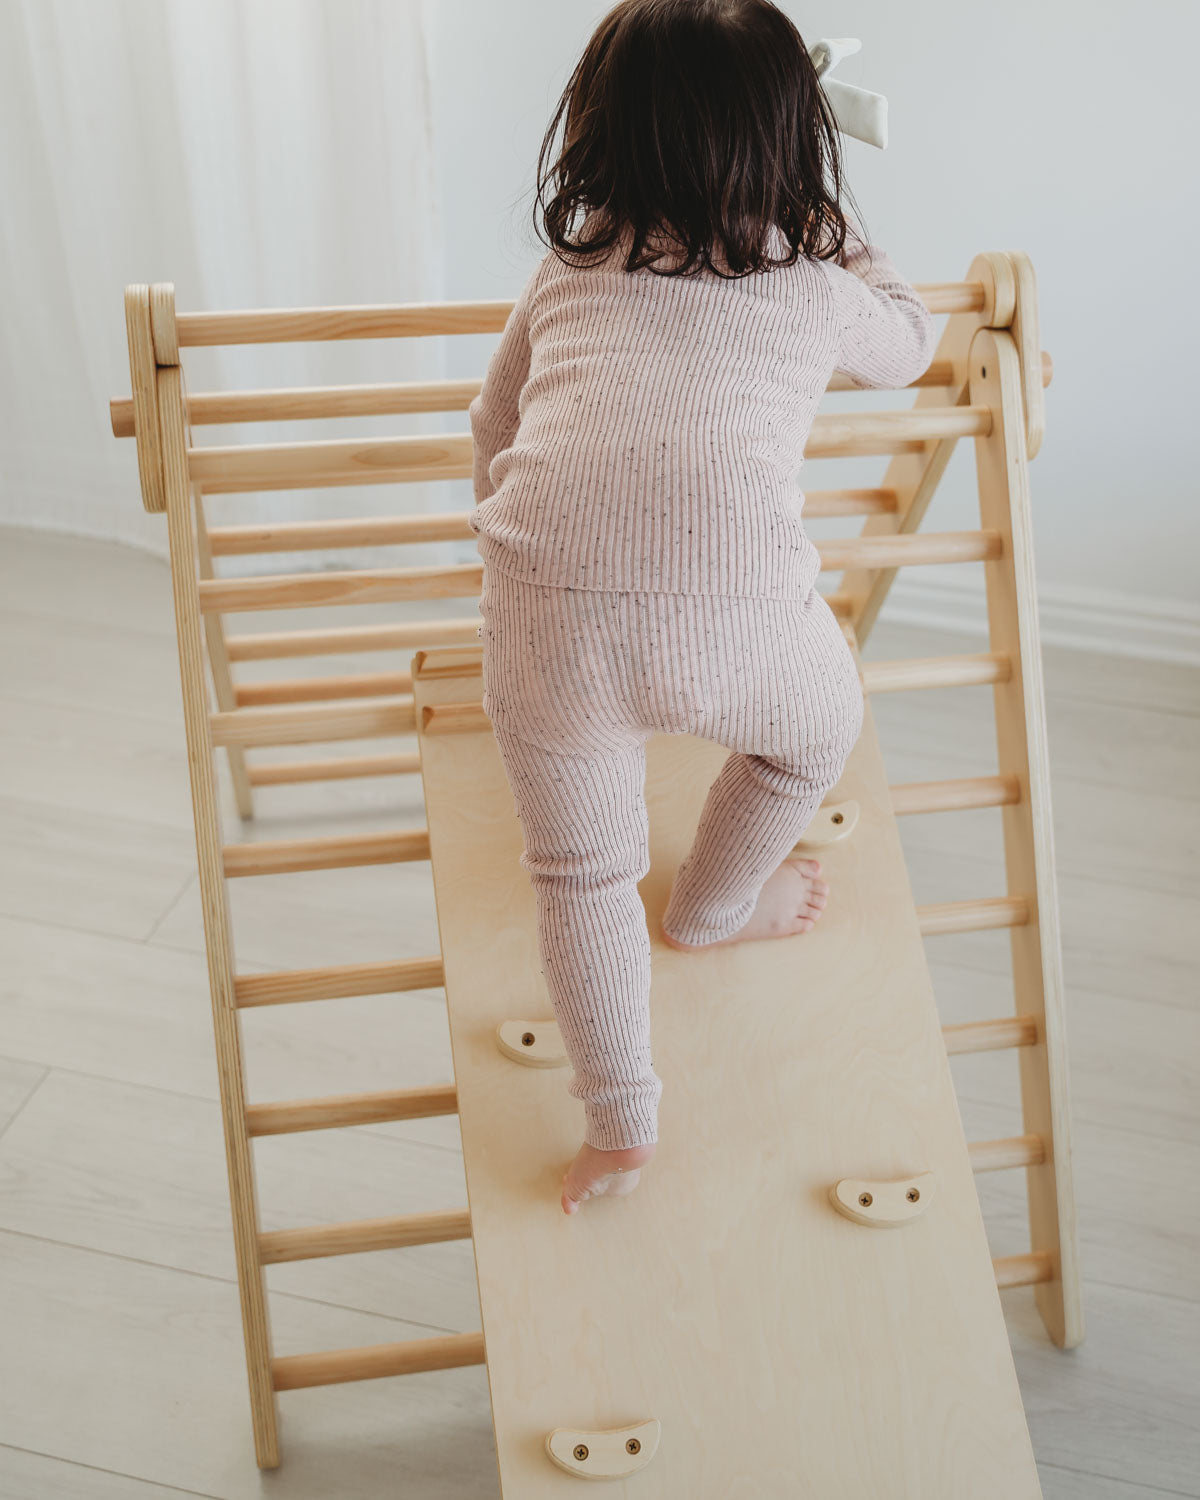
(646, 570)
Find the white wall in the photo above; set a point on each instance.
(1052, 126)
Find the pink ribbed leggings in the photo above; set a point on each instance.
(575, 682)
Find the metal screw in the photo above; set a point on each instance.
(633, 1446)
(581, 1452)
(837, 818)
(913, 1194)
(865, 1200)
(528, 1039)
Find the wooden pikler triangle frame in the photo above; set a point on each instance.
(742, 1322)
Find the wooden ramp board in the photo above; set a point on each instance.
(785, 1349)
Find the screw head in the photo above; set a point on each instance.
(527, 1039)
(837, 818)
(913, 1194)
(865, 1200)
(633, 1446)
(580, 1451)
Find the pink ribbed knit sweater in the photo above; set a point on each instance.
(644, 432)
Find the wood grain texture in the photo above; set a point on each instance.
(840, 1071)
(1022, 751)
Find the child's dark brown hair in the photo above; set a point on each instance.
(700, 123)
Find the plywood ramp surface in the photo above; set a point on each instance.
(786, 1350)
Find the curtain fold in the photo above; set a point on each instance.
(255, 153)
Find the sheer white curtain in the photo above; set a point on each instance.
(255, 153)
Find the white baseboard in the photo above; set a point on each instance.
(1083, 619)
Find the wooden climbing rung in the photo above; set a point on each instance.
(339, 768)
(321, 689)
(339, 852)
(1023, 1270)
(292, 1115)
(350, 639)
(375, 1361)
(357, 586)
(936, 672)
(954, 796)
(311, 725)
(990, 1036)
(998, 1156)
(338, 982)
(972, 916)
(398, 460)
(398, 1232)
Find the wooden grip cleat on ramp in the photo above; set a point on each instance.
(604, 1455)
(883, 1205)
(537, 1044)
(833, 823)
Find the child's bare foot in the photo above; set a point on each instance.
(791, 901)
(595, 1172)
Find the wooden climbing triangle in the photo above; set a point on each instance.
(802, 1298)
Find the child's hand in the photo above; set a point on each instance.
(594, 1172)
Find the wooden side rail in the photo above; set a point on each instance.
(397, 1232)
(341, 1110)
(375, 1361)
(339, 982)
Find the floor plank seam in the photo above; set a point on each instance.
(76, 1463)
(1140, 1484)
(20, 1109)
(229, 1281)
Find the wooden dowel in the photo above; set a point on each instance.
(323, 689)
(289, 325)
(972, 916)
(370, 531)
(850, 503)
(990, 1036)
(290, 856)
(312, 725)
(341, 981)
(374, 1361)
(454, 718)
(394, 460)
(351, 1109)
(398, 1232)
(998, 1156)
(955, 796)
(416, 320)
(354, 586)
(936, 672)
(913, 550)
(347, 641)
(331, 462)
(308, 403)
(338, 768)
(1022, 1270)
(393, 585)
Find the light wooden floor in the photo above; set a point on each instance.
(122, 1374)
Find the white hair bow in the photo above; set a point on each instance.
(857, 111)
